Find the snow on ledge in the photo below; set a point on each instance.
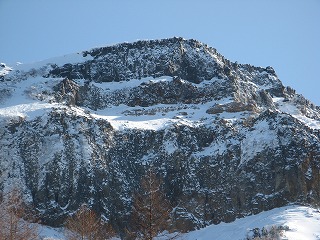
(29, 111)
(289, 108)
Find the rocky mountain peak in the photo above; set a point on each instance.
(228, 139)
(154, 58)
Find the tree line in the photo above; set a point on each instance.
(150, 217)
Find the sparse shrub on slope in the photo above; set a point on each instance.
(14, 218)
(267, 233)
(86, 225)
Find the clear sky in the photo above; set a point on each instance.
(284, 34)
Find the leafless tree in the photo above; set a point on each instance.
(151, 210)
(14, 224)
(85, 225)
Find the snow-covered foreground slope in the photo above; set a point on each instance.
(48, 233)
(303, 223)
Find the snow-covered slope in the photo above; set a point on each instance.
(301, 222)
(228, 139)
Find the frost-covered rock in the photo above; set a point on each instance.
(228, 139)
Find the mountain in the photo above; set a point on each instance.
(228, 139)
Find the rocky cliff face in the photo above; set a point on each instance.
(228, 139)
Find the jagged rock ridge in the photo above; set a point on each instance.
(228, 139)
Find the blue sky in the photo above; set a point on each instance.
(284, 34)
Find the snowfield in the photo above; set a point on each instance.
(303, 223)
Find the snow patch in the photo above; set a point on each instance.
(289, 108)
(27, 111)
(72, 58)
(113, 86)
(257, 140)
(216, 148)
(4, 69)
